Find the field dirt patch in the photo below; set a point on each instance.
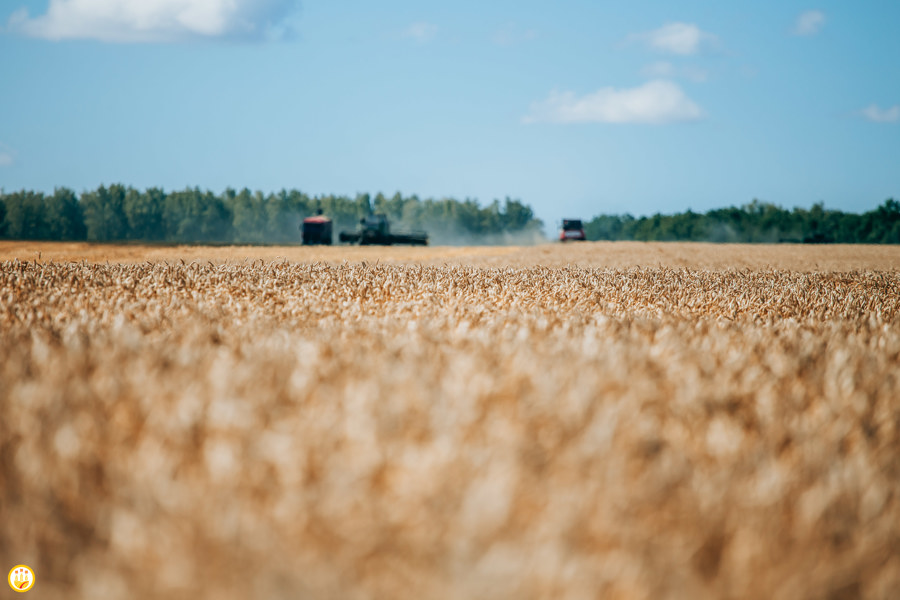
(281, 429)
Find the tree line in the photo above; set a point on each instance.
(756, 222)
(119, 213)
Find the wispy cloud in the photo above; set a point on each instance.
(809, 22)
(881, 115)
(664, 69)
(676, 38)
(7, 155)
(511, 34)
(155, 20)
(657, 101)
(421, 32)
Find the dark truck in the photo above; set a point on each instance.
(375, 230)
(316, 231)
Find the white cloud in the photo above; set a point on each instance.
(7, 155)
(881, 115)
(676, 38)
(668, 70)
(511, 34)
(421, 32)
(154, 20)
(809, 22)
(657, 101)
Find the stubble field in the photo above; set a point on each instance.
(590, 421)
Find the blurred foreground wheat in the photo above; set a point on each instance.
(282, 430)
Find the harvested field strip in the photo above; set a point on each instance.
(275, 429)
(614, 255)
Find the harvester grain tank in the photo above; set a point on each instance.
(375, 230)
(316, 230)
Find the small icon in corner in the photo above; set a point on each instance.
(21, 578)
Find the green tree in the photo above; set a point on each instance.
(144, 214)
(194, 216)
(65, 220)
(249, 218)
(104, 214)
(25, 216)
(517, 216)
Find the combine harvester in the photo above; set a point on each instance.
(375, 230)
(572, 230)
(316, 230)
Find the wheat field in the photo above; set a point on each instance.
(631, 421)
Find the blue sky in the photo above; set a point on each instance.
(577, 108)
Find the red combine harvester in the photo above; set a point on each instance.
(572, 231)
(316, 230)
